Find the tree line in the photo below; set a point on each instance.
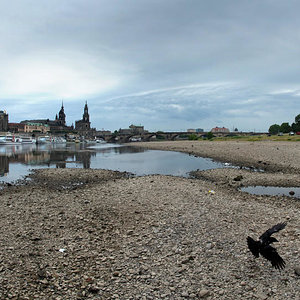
(286, 127)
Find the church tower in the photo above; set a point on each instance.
(84, 125)
(3, 120)
(86, 116)
(62, 116)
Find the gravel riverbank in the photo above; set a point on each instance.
(97, 234)
(269, 155)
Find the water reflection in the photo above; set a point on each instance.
(4, 166)
(17, 160)
(43, 156)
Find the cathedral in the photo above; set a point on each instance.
(61, 119)
(83, 126)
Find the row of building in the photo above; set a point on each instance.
(213, 130)
(58, 125)
(82, 127)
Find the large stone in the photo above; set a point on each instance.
(297, 271)
(203, 293)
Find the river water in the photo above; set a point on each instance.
(16, 161)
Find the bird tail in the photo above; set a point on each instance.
(253, 246)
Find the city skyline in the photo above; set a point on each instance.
(168, 65)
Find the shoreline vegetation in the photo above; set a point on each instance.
(99, 234)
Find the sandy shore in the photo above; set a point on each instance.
(96, 234)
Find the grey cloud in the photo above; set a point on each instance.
(136, 46)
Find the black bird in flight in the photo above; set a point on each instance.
(263, 247)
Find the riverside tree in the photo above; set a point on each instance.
(296, 125)
(274, 129)
(285, 127)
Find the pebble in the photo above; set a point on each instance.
(203, 293)
(185, 294)
(297, 271)
(208, 245)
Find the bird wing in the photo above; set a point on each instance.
(266, 235)
(253, 246)
(271, 254)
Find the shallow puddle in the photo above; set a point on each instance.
(272, 190)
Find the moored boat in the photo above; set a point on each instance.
(43, 139)
(59, 140)
(100, 141)
(10, 140)
(27, 140)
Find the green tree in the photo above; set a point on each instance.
(193, 137)
(296, 127)
(274, 129)
(285, 127)
(210, 135)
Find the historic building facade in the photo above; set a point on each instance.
(58, 125)
(133, 129)
(3, 120)
(83, 126)
(220, 130)
(16, 127)
(36, 128)
(61, 118)
(55, 126)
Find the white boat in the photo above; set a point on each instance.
(59, 140)
(10, 140)
(27, 140)
(100, 141)
(90, 141)
(43, 140)
(135, 139)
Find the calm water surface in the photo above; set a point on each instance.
(17, 161)
(272, 190)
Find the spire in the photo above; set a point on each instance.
(62, 115)
(86, 117)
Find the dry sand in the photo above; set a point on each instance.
(96, 234)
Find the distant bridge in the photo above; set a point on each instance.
(144, 136)
(148, 136)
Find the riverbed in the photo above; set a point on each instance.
(99, 234)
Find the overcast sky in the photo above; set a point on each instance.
(165, 64)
